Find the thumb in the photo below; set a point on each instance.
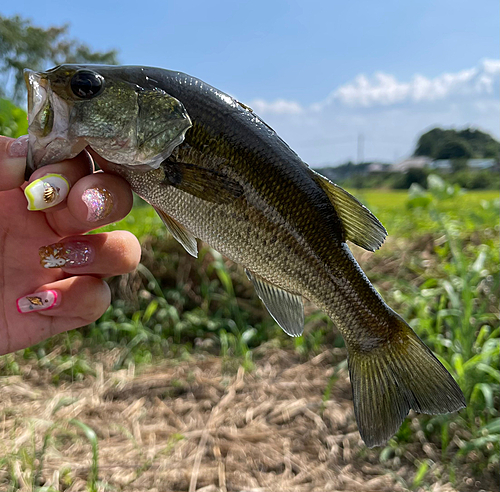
(12, 161)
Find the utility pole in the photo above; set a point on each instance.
(361, 148)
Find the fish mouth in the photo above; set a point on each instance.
(37, 91)
(48, 124)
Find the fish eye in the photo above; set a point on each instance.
(86, 84)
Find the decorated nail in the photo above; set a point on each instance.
(70, 254)
(39, 301)
(99, 203)
(46, 192)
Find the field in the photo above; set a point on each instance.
(187, 384)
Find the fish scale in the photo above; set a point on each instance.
(215, 171)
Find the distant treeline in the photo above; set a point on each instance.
(452, 144)
(470, 179)
(456, 146)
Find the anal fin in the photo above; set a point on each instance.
(286, 308)
(180, 233)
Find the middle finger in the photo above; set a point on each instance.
(93, 201)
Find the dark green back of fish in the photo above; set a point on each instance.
(391, 369)
(229, 138)
(252, 168)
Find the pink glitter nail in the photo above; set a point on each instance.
(39, 301)
(99, 203)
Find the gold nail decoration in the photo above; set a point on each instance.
(35, 301)
(49, 193)
(46, 192)
(71, 254)
(38, 301)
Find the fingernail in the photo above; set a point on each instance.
(70, 254)
(46, 192)
(14, 162)
(39, 301)
(18, 147)
(99, 203)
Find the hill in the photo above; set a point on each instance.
(439, 143)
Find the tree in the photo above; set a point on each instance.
(428, 142)
(13, 121)
(413, 175)
(454, 148)
(452, 144)
(23, 45)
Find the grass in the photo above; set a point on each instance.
(439, 269)
(451, 300)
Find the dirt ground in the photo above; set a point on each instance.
(193, 425)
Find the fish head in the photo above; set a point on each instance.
(71, 107)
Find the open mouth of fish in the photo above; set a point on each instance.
(49, 124)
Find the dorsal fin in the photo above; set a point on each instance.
(286, 308)
(360, 225)
(180, 233)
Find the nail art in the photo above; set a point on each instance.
(39, 301)
(19, 147)
(46, 192)
(99, 203)
(71, 254)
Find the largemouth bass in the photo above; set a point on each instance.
(215, 171)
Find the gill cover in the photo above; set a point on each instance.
(72, 106)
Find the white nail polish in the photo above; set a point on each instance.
(46, 192)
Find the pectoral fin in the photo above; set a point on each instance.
(180, 233)
(203, 183)
(286, 308)
(360, 225)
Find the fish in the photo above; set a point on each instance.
(215, 171)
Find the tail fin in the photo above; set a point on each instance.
(390, 381)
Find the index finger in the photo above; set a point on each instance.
(12, 161)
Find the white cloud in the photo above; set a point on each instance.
(389, 113)
(384, 90)
(280, 106)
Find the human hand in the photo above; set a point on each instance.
(50, 272)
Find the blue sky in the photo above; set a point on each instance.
(320, 72)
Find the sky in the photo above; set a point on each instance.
(337, 80)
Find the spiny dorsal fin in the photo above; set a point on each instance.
(360, 225)
(286, 308)
(180, 233)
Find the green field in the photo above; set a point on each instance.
(439, 269)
